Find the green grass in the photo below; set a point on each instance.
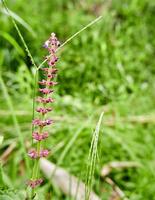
(108, 67)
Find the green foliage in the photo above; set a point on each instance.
(7, 194)
(111, 49)
(109, 66)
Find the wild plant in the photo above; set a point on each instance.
(39, 134)
(39, 124)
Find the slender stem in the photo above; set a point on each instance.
(37, 165)
(41, 64)
(73, 36)
(77, 33)
(19, 33)
(34, 96)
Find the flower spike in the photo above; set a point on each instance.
(46, 90)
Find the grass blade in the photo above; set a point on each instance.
(73, 36)
(92, 159)
(19, 33)
(28, 53)
(15, 121)
(78, 32)
(21, 21)
(12, 41)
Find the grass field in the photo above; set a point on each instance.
(108, 67)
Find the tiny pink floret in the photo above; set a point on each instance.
(45, 100)
(45, 90)
(33, 154)
(44, 153)
(43, 110)
(47, 83)
(39, 137)
(38, 122)
(34, 183)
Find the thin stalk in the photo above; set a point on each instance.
(28, 53)
(35, 171)
(73, 36)
(34, 96)
(77, 33)
(38, 151)
(19, 33)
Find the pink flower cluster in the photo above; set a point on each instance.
(45, 100)
(39, 137)
(34, 183)
(47, 83)
(45, 90)
(43, 110)
(34, 154)
(38, 122)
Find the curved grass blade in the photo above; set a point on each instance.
(28, 53)
(15, 121)
(19, 33)
(20, 20)
(12, 41)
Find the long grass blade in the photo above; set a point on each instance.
(28, 53)
(92, 158)
(15, 120)
(12, 41)
(19, 33)
(78, 32)
(21, 21)
(73, 36)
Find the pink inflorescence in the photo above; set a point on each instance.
(47, 83)
(43, 110)
(45, 98)
(34, 154)
(39, 137)
(35, 183)
(45, 90)
(44, 153)
(38, 122)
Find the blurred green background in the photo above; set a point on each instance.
(109, 67)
